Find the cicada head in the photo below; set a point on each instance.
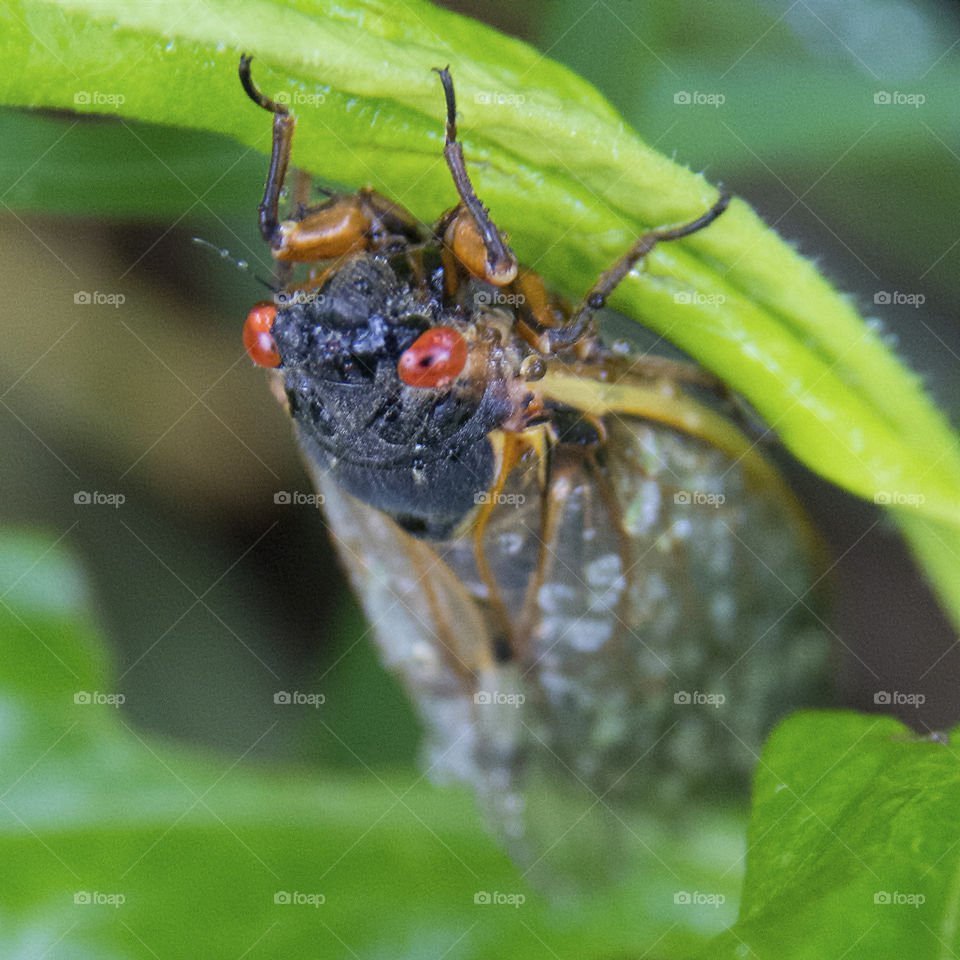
(419, 454)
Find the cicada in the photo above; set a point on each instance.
(577, 559)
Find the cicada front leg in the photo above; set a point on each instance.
(580, 324)
(344, 224)
(472, 244)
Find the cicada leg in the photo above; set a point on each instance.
(344, 224)
(569, 464)
(424, 568)
(580, 323)
(509, 449)
(472, 244)
(608, 497)
(537, 308)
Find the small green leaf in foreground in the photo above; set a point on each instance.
(854, 845)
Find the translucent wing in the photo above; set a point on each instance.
(660, 623)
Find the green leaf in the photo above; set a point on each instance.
(853, 844)
(153, 169)
(197, 846)
(559, 168)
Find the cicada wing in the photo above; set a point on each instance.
(658, 624)
(433, 633)
(667, 625)
(673, 622)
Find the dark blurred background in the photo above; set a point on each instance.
(214, 596)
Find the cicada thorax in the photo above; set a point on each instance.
(422, 456)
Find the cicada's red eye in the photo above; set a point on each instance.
(257, 335)
(433, 359)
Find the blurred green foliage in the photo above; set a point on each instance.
(114, 843)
